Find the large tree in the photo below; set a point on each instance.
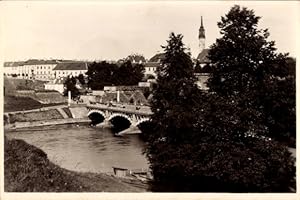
(246, 65)
(108, 74)
(250, 102)
(173, 103)
(129, 74)
(176, 93)
(215, 141)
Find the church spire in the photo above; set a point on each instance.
(201, 37)
(201, 30)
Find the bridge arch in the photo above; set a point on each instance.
(142, 121)
(119, 122)
(120, 115)
(96, 111)
(96, 116)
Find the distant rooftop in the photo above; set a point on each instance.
(157, 57)
(13, 64)
(40, 62)
(72, 66)
(36, 62)
(202, 57)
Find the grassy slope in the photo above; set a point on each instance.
(12, 103)
(23, 84)
(27, 169)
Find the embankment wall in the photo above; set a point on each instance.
(46, 117)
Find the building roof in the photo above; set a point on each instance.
(40, 62)
(152, 64)
(30, 62)
(13, 64)
(36, 62)
(202, 57)
(157, 57)
(72, 66)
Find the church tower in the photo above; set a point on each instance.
(201, 37)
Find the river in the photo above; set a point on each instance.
(85, 149)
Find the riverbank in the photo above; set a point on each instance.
(27, 169)
(21, 125)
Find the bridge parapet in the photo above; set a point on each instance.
(143, 110)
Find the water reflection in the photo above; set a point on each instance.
(86, 149)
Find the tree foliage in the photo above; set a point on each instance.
(70, 85)
(217, 141)
(101, 74)
(135, 58)
(108, 74)
(247, 65)
(176, 92)
(81, 79)
(129, 74)
(207, 68)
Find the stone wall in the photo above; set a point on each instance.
(49, 122)
(79, 112)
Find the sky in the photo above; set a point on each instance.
(113, 30)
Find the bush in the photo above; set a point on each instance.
(223, 167)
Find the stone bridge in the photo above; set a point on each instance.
(135, 115)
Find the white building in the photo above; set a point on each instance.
(31, 69)
(150, 68)
(56, 84)
(12, 68)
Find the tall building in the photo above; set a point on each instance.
(201, 37)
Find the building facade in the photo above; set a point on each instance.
(70, 69)
(45, 70)
(31, 69)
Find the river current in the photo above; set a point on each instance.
(86, 149)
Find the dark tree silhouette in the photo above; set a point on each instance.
(217, 141)
(247, 65)
(108, 74)
(101, 74)
(70, 85)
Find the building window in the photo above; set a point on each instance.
(49, 67)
